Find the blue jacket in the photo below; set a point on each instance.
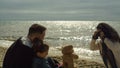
(40, 63)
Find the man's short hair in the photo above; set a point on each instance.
(36, 28)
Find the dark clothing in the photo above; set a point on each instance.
(46, 63)
(18, 55)
(40, 63)
(53, 63)
(107, 56)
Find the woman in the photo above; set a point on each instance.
(109, 45)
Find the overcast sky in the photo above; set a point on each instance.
(103, 10)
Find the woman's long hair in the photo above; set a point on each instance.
(109, 32)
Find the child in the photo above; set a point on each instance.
(40, 60)
(41, 51)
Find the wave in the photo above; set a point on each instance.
(9, 38)
(5, 43)
(13, 38)
(69, 38)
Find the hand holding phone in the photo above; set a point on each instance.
(96, 34)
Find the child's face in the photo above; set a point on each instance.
(43, 55)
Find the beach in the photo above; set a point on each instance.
(83, 63)
(2, 53)
(58, 34)
(80, 63)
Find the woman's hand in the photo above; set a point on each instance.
(96, 34)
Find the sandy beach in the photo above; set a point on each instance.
(2, 53)
(80, 63)
(83, 63)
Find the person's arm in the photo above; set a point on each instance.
(94, 45)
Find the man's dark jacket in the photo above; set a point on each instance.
(18, 55)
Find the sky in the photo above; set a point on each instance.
(70, 10)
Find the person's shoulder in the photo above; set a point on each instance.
(16, 42)
(20, 45)
(26, 41)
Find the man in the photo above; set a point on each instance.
(20, 54)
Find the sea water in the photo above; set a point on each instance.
(58, 34)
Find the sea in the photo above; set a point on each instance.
(58, 34)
